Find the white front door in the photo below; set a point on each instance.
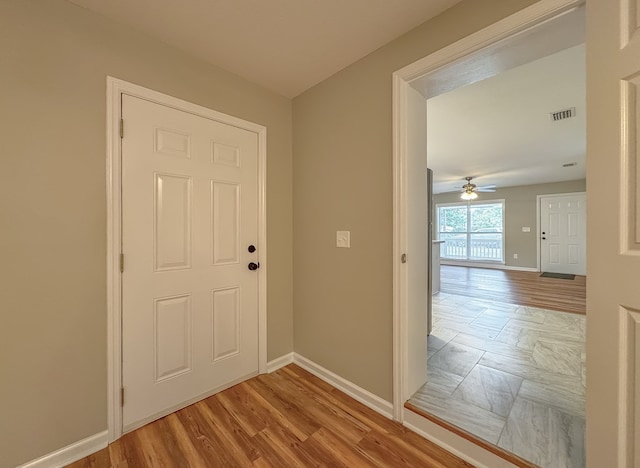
(189, 217)
(613, 284)
(563, 240)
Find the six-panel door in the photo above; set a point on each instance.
(190, 211)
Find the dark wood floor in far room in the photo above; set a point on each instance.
(526, 288)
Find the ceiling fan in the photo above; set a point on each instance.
(470, 191)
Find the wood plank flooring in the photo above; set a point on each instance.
(516, 287)
(289, 418)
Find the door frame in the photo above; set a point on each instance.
(523, 20)
(115, 89)
(539, 222)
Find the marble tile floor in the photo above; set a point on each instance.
(511, 375)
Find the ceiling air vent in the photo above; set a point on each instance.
(563, 114)
(571, 164)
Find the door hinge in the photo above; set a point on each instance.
(403, 258)
(121, 263)
(121, 396)
(121, 128)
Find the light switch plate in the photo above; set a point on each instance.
(526, 229)
(343, 239)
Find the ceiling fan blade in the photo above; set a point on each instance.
(490, 186)
(485, 190)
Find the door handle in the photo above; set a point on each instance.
(253, 266)
(544, 238)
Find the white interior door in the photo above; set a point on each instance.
(563, 238)
(613, 284)
(189, 215)
(417, 245)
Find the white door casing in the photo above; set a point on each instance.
(562, 233)
(613, 229)
(185, 185)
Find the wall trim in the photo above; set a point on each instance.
(491, 266)
(365, 397)
(516, 23)
(280, 362)
(115, 89)
(70, 453)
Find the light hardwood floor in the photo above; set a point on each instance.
(516, 287)
(289, 418)
(510, 375)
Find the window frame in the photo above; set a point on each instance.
(468, 204)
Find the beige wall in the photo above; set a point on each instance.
(343, 180)
(54, 61)
(520, 210)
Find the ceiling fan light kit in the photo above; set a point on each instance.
(470, 191)
(469, 195)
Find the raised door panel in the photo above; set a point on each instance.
(573, 254)
(225, 155)
(573, 224)
(554, 225)
(172, 222)
(554, 254)
(631, 357)
(226, 323)
(172, 336)
(631, 124)
(225, 222)
(173, 143)
(630, 20)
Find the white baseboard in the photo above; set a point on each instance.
(277, 363)
(357, 393)
(494, 266)
(517, 268)
(70, 453)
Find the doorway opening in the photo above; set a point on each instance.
(496, 361)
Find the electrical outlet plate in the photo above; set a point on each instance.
(343, 239)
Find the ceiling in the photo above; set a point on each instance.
(500, 131)
(287, 46)
(497, 130)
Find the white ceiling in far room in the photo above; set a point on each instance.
(500, 131)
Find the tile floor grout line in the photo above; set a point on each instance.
(531, 326)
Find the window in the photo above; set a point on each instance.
(472, 231)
